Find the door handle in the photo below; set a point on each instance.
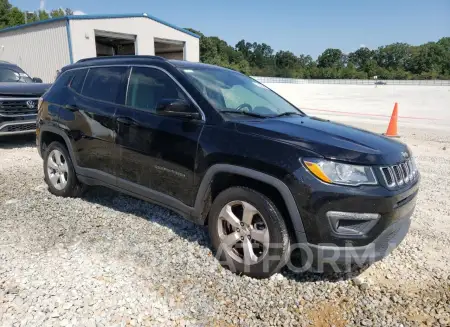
(71, 108)
(126, 121)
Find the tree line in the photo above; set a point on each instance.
(394, 61)
(12, 16)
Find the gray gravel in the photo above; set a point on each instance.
(110, 260)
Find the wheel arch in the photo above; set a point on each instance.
(206, 192)
(49, 134)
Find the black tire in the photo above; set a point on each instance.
(278, 249)
(73, 188)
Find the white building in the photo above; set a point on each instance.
(42, 48)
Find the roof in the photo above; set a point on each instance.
(138, 59)
(83, 17)
(197, 65)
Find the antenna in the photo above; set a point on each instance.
(41, 5)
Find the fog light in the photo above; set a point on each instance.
(352, 223)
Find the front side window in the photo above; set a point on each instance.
(104, 83)
(149, 86)
(9, 75)
(229, 91)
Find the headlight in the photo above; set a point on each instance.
(340, 173)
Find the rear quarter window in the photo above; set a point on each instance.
(77, 81)
(105, 84)
(63, 80)
(59, 87)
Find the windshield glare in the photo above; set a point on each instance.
(9, 75)
(231, 91)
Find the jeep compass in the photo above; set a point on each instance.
(225, 151)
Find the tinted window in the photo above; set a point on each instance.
(148, 86)
(77, 81)
(104, 83)
(63, 80)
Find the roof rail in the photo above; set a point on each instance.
(121, 57)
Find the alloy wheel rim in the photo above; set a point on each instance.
(57, 169)
(243, 232)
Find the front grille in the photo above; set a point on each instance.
(401, 174)
(18, 107)
(18, 128)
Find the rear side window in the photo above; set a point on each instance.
(63, 80)
(77, 81)
(148, 86)
(104, 83)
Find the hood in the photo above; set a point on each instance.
(23, 89)
(330, 140)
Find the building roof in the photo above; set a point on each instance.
(82, 17)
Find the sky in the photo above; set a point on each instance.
(303, 27)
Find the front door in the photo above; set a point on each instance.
(157, 153)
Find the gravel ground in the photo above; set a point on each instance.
(110, 260)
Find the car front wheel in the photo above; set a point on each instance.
(248, 232)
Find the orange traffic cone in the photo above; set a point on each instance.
(392, 128)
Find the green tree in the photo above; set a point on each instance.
(43, 15)
(68, 12)
(361, 57)
(331, 58)
(5, 8)
(394, 56)
(245, 48)
(286, 60)
(428, 58)
(57, 13)
(15, 17)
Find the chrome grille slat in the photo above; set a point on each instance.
(405, 172)
(17, 107)
(400, 174)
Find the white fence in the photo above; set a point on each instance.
(350, 81)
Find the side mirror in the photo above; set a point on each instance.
(177, 108)
(37, 80)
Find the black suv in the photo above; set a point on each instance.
(224, 150)
(19, 94)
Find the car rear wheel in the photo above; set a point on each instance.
(248, 232)
(59, 172)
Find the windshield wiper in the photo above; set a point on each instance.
(243, 113)
(289, 113)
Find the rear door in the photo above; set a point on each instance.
(157, 153)
(89, 116)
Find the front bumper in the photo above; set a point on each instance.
(17, 125)
(387, 241)
(366, 242)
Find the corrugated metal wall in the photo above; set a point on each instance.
(40, 50)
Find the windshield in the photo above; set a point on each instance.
(9, 75)
(229, 91)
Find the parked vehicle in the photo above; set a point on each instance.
(19, 94)
(224, 150)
